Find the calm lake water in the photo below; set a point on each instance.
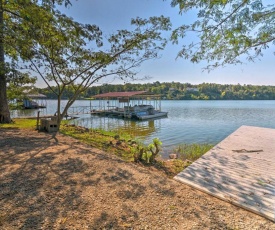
(187, 121)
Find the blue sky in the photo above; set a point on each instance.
(111, 15)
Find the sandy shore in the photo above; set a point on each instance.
(59, 183)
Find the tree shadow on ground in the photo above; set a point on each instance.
(46, 184)
(49, 184)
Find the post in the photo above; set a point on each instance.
(37, 121)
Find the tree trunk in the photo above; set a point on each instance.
(4, 108)
(59, 118)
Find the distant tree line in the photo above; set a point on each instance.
(181, 91)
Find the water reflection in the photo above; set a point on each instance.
(24, 113)
(141, 129)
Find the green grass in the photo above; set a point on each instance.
(192, 152)
(120, 145)
(187, 153)
(21, 124)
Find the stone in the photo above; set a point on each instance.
(173, 156)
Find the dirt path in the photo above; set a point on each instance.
(46, 184)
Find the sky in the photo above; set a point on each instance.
(112, 15)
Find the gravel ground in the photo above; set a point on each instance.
(59, 183)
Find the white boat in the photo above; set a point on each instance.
(145, 112)
(157, 114)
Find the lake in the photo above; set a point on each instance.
(187, 121)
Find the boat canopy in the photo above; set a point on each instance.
(125, 94)
(34, 96)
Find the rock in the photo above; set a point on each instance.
(173, 156)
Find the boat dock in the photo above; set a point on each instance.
(139, 105)
(240, 170)
(34, 101)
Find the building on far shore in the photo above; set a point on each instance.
(192, 89)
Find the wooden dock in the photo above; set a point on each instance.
(240, 170)
(68, 117)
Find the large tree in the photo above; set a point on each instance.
(226, 31)
(67, 54)
(4, 108)
(17, 17)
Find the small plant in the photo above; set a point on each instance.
(138, 153)
(154, 149)
(148, 153)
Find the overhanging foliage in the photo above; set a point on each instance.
(226, 31)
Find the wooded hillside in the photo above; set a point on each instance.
(183, 91)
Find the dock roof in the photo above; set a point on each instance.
(121, 94)
(39, 95)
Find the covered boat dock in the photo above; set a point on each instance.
(139, 105)
(35, 101)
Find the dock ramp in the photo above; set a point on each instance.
(240, 170)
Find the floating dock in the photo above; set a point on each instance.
(240, 170)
